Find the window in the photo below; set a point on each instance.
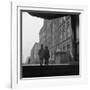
(64, 48)
(68, 46)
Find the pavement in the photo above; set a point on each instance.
(69, 63)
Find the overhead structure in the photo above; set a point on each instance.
(50, 14)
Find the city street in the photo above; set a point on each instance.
(55, 44)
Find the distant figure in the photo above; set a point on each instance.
(29, 60)
(46, 56)
(41, 55)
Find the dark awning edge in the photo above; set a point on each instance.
(49, 14)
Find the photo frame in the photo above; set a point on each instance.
(20, 77)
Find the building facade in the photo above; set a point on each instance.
(57, 34)
(34, 54)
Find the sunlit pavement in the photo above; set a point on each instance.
(70, 63)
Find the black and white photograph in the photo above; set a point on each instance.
(45, 44)
(49, 43)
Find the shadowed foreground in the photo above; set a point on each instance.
(52, 70)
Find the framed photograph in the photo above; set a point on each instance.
(46, 43)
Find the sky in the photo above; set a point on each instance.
(31, 26)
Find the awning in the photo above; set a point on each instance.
(49, 14)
